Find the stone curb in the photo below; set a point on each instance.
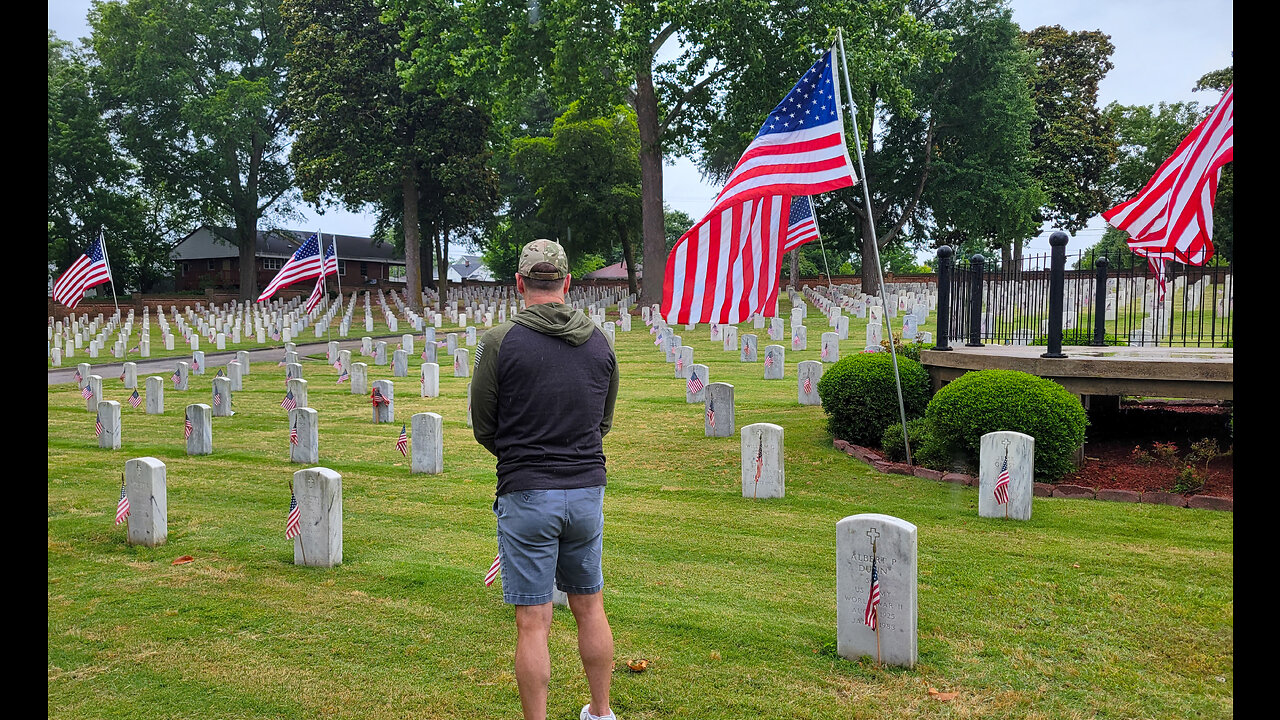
(1070, 492)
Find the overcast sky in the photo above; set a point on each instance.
(1162, 48)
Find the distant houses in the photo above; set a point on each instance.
(206, 259)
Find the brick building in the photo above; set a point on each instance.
(203, 259)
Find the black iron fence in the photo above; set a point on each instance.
(1089, 298)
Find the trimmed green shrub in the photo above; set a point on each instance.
(986, 401)
(860, 398)
(923, 452)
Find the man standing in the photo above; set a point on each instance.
(542, 399)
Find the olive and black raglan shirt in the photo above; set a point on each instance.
(542, 398)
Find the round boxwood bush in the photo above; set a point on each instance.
(986, 401)
(860, 399)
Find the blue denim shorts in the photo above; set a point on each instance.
(547, 536)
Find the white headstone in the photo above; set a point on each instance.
(155, 395)
(892, 542)
(703, 379)
(718, 415)
(1021, 451)
(145, 486)
(808, 372)
(109, 416)
(763, 469)
(307, 448)
(427, 443)
(775, 362)
(319, 493)
(200, 442)
(384, 411)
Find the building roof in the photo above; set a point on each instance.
(208, 243)
(471, 267)
(616, 271)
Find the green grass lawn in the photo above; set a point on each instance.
(1090, 610)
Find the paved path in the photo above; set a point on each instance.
(161, 366)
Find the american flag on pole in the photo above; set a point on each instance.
(493, 570)
(86, 392)
(293, 433)
(871, 616)
(345, 376)
(217, 399)
(219, 373)
(711, 412)
(759, 459)
(376, 397)
(802, 224)
(403, 443)
(304, 264)
(88, 270)
(330, 267)
(195, 364)
(1172, 217)
(808, 385)
(97, 425)
(122, 505)
(695, 383)
(135, 399)
(726, 267)
(186, 430)
(78, 377)
(289, 402)
(122, 376)
(1002, 483)
(293, 526)
(768, 359)
(176, 378)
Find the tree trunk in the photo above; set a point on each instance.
(653, 227)
(628, 257)
(442, 250)
(1006, 256)
(795, 268)
(870, 255)
(247, 239)
(412, 239)
(1017, 259)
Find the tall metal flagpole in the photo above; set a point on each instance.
(102, 237)
(813, 206)
(875, 244)
(336, 275)
(324, 283)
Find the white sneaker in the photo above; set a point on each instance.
(586, 714)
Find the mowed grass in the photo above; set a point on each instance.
(1090, 610)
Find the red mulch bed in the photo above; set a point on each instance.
(1108, 452)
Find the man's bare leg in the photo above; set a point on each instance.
(533, 662)
(595, 645)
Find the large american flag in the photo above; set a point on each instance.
(330, 267)
(293, 526)
(871, 617)
(122, 505)
(304, 264)
(88, 270)
(1002, 483)
(726, 267)
(1172, 218)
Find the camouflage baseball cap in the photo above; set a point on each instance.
(544, 251)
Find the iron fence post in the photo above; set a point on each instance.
(1057, 283)
(1100, 303)
(975, 301)
(944, 297)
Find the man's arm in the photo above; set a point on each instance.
(484, 388)
(606, 423)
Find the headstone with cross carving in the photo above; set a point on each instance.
(888, 543)
(1020, 452)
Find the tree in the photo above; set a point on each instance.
(195, 93)
(93, 185)
(360, 135)
(981, 185)
(586, 177)
(1073, 140)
